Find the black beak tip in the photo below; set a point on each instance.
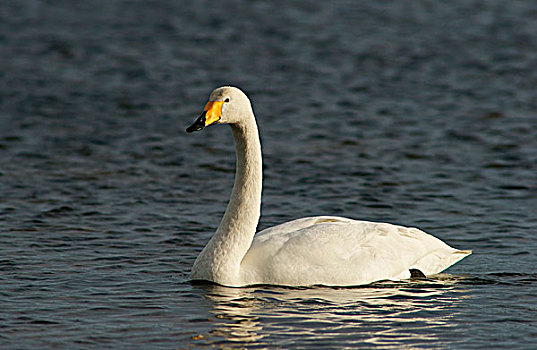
(198, 125)
(193, 128)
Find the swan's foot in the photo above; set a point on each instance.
(415, 273)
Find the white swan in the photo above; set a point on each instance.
(323, 250)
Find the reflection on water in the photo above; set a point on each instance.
(234, 310)
(388, 313)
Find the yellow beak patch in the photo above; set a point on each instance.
(213, 112)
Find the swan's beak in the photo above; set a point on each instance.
(198, 125)
(212, 113)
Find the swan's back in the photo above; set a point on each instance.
(339, 251)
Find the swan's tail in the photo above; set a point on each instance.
(440, 259)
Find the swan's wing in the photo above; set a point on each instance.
(340, 251)
(295, 225)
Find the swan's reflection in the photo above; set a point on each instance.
(388, 314)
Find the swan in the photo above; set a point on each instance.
(321, 250)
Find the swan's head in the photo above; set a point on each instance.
(227, 105)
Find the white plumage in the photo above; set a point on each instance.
(323, 250)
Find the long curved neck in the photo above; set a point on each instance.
(220, 260)
(242, 213)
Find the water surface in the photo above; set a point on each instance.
(420, 114)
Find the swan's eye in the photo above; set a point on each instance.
(226, 100)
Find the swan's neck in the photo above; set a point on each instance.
(220, 260)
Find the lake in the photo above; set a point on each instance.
(415, 113)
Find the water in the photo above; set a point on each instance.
(421, 114)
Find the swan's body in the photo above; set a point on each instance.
(323, 250)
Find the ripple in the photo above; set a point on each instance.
(412, 113)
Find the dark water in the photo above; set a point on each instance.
(418, 113)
